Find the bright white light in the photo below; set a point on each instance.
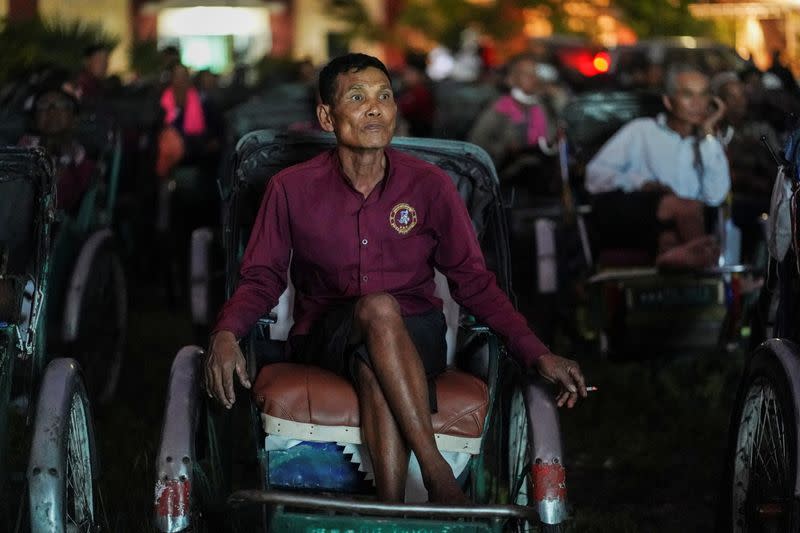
(688, 42)
(212, 21)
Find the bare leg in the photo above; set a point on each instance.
(687, 215)
(381, 434)
(688, 246)
(401, 377)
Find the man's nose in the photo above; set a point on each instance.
(374, 109)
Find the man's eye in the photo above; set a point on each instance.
(357, 97)
(386, 96)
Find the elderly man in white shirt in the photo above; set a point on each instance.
(651, 180)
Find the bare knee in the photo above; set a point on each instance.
(376, 308)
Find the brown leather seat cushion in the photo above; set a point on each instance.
(311, 395)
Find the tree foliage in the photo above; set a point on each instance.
(444, 20)
(38, 43)
(661, 18)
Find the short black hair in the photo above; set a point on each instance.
(341, 65)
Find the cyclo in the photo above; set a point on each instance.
(87, 295)
(44, 407)
(762, 485)
(626, 306)
(303, 466)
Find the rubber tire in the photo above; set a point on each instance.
(764, 368)
(95, 307)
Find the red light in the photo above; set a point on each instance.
(585, 62)
(601, 62)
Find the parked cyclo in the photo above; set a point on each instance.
(48, 463)
(626, 306)
(762, 486)
(87, 294)
(293, 457)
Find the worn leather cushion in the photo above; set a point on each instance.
(311, 395)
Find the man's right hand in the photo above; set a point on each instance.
(224, 359)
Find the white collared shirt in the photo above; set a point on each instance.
(646, 149)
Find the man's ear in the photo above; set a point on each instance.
(324, 117)
(667, 102)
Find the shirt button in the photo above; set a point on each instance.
(364, 278)
(364, 242)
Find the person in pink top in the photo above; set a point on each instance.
(364, 226)
(514, 127)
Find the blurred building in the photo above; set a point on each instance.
(757, 28)
(214, 34)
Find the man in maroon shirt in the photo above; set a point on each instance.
(364, 226)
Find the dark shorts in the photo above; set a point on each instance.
(627, 220)
(327, 345)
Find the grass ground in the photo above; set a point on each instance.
(644, 453)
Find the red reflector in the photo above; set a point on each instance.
(172, 498)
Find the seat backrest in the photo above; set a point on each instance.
(284, 107)
(593, 117)
(260, 155)
(25, 175)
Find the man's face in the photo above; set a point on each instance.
(691, 99)
(523, 76)
(54, 113)
(363, 111)
(97, 64)
(733, 94)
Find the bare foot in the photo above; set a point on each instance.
(701, 252)
(444, 488)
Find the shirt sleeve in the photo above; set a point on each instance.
(716, 173)
(263, 275)
(613, 166)
(458, 256)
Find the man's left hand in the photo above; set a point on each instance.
(564, 372)
(718, 111)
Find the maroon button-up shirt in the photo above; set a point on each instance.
(343, 246)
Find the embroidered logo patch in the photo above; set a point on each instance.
(403, 218)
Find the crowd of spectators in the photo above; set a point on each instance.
(189, 124)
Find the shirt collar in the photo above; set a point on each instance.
(661, 120)
(389, 153)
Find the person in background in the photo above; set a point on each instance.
(184, 136)
(416, 102)
(92, 77)
(752, 168)
(54, 115)
(514, 127)
(650, 182)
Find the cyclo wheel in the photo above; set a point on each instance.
(519, 462)
(98, 302)
(62, 469)
(764, 462)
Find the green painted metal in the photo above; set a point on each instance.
(319, 523)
